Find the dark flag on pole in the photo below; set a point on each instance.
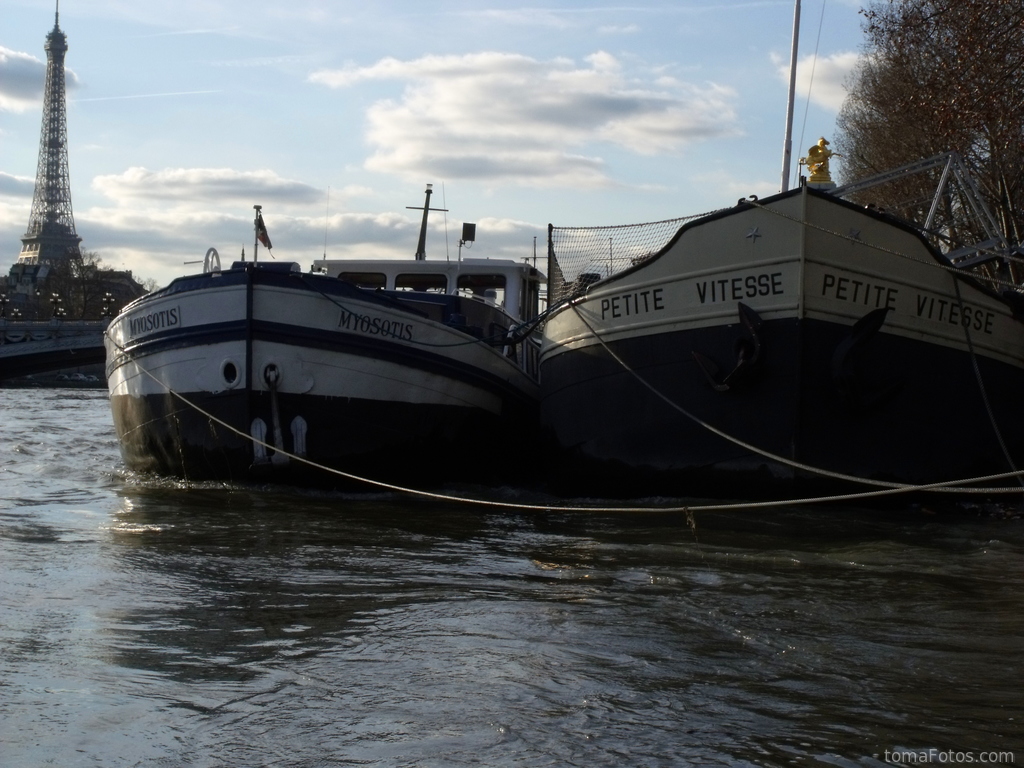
(261, 231)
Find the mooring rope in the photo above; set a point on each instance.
(611, 509)
(955, 274)
(952, 486)
(981, 386)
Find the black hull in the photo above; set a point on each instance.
(266, 374)
(896, 410)
(401, 443)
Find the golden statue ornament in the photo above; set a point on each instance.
(817, 162)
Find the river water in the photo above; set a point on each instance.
(145, 622)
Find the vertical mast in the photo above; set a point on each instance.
(787, 148)
(421, 247)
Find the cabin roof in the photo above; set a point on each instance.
(434, 266)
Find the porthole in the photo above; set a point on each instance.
(229, 371)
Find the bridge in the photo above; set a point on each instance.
(30, 347)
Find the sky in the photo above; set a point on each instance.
(334, 115)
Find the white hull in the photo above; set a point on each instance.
(248, 353)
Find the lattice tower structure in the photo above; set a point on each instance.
(51, 236)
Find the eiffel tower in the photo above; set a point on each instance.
(51, 237)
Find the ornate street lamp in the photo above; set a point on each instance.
(58, 306)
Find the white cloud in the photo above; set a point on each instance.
(732, 188)
(525, 17)
(190, 186)
(510, 117)
(174, 237)
(21, 81)
(22, 77)
(16, 186)
(160, 222)
(822, 80)
(627, 29)
(180, 212)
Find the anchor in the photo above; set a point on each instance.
(748, 348)
(272, 376)
(850, 385)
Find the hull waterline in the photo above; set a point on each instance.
(830, 346)
(264, 374)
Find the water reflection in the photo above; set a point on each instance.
(145, 622)
(392, 628)
(236, 577)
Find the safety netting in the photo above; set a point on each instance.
(580, 256)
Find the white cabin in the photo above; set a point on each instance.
(511, 285)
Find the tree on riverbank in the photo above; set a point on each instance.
(80, 287)
(940, 75)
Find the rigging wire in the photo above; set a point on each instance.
(810, 83)
(444, 205)
(948, 267)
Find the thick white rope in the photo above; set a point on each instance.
(952, 486)
(688, 508)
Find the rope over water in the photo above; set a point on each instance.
(637, 243)
(955, 486)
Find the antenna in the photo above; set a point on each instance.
(327, 219)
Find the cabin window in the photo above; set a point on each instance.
(365, 279)
(426, 283)
(487, 287)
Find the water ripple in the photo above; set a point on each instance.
(146, 621)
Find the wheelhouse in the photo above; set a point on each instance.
(514, 287)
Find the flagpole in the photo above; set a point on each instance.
(256, 235)
(787, 148)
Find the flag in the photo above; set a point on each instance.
(261, 231)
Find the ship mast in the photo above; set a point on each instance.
(787, 148)
(421, 246)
